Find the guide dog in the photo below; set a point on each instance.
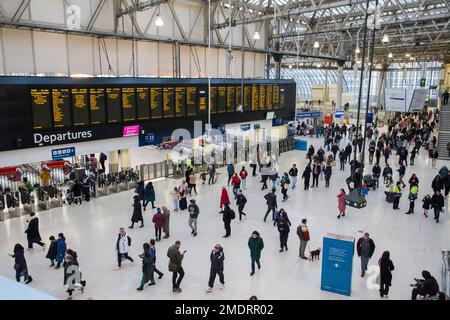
(315, 254)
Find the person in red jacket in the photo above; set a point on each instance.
(224, 198)
(236, 183)
(303, 233)
(243, 174)
(159, 220)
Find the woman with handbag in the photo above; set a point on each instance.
(386, 268)
(20, 264)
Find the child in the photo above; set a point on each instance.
(203, 177)
(426, 205)
(51, 254)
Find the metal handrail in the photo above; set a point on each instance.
(445, 281)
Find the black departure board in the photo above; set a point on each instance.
(168, 102)
(247, 98)
(262, 97)
(97, 105)
(269, 94)
(180, 101)
(231, 99)
(281, 101)
(129, 104)
(40, 103)
(255, 97)
(80, 107)
(276, 96)
(202, 100)
(156, 102)
(62, 114)
(238, 95)
(113, 105)
(191, 94)
(143, 103)
(221, 99)
(213, 100)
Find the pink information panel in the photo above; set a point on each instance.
(131, 131)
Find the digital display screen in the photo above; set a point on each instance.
(62, 115)
(168, 102)
(238, 95)
(255, 97)
(113, 105)
(40, 103)
(80, 107)
(269, 95)
(247, 98)
(231, 99)
(143, 103)
(262, 97)
(191, 94)
(97, 105)
(222, 99)
(281, 101)
(202, 100)
(276, 96)
(156, 102)
(129, 104)
(180, 101)
(213, 100)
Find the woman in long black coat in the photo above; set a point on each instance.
(32, 232)
(20, 264)
(148, 267)
(283, 225)
(137, 213)
(386, 268)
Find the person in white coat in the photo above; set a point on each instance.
(122, 247)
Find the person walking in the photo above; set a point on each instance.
(437, 203)
(412, 197)
(283, 225)
(285, 186)
(341, 203)
(137, 213)
(153, 252)
(365, 248)
(401, 174)
(293, 172)
(122, 247)
(32, 232)
(306, 176)
(236, 183)
(211, 173)
(175, 194)
(376, 171)
(342, 160)
(256, 245)
(70, 269)
(316, 173)
(230, 171)
(241, 200)
(445, 96)
(303, 234)
(51, 253)
(20, 264)
(216, 257)
(271, 201)
(426, 205)
(103, 157)
(149, 195)
(228, 215)
(327, 171)
(243, 175)
(224, 199)
(183, 189)
(175, 265)
(87, 187)
(61, 248)
(192, 183)
(166, 227)
(193, 215)
(386, 268)
(434, 154)
(159, 221)
(147, 267)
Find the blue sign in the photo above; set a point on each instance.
(303, 115)
(62, 153)
(277, 122)
(369, 117)
(337, 264)
(245, 127)
(339, 113)
(149, 138)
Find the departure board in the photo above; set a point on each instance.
(202, 99)
(113, 105)
(180, 101)
(231, 99)
(221, 99)
(247, 98)
(129, 104)
(168, 102)
(255, 97)
(97, 105)
(276, 96)
(156, 102)
(143, 104)
(191, 94)
(238, 95)
(40, 103)
(262, 97)
(80, 107)
(281, 101)
(213, 100)
(269, 94)
(62, 115)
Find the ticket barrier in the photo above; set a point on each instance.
(48, 197)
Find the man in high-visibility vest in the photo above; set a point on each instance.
(413, 191)
(396, 189)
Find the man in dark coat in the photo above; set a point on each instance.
(255, 244)
(217, 257)
(437, 203)
(271, 201)
(32, 232)
(137, 213)
(426, 287)
(365, 248)
(228, 214)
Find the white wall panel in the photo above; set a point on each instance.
(2, 65)
(147, 57)
(212, 65)
(124, 53)
(105, 19)
(165, 60)
(237, 64)
(50, 52)
(101, 60)
(185, 57)
(85, 10)
(18, 51)
(52, 11)
(182, 11)
(9, 7)
(167, 29)
(260, 64)
(249, 65)
(198, 29)
(222, 63)
(80, 50)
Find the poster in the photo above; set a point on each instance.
(337, 264)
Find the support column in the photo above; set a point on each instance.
(382, 83)
(125, 160)
(113, 161)
(340, 81)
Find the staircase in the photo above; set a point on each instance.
(444, 132)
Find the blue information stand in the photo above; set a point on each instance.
(300, 144)
(337, 264)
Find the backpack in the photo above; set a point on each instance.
(129, 240)
(299, 231)
(232, 214)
